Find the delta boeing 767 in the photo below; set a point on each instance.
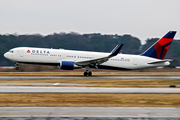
(71, 59)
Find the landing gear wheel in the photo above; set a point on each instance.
(85, 73)
(90, 73)
(17, 68)
(16, 65)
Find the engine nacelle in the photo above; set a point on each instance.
(68, 65)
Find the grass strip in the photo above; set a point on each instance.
(130, 100)
(97, 82)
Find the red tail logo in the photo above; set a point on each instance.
(160, 48)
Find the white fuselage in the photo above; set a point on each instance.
(55, 56)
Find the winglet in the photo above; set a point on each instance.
(116, 50)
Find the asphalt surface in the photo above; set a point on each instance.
(85, 90)
(172, 112)
(21, 84)
(85, 118)
(95, 73)
(91, 77)
(42, 84)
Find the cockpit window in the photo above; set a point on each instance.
(11, 51)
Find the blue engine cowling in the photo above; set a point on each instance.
(67, 65)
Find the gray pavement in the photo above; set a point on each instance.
(42, 84)
(147, 112)
(85, 90)
(84, 118)
(95, 73)
(23, 83)
(91, 77)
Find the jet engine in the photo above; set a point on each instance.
(68, 65)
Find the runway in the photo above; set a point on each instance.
(94, 73)
(42, 84)
(69, 84)
(92, 77)
(145, 112)
(136, 112)
(85, 90)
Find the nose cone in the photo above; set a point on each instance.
(7, 55)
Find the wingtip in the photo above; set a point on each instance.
(116, 50)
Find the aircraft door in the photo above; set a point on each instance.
(21, 53)
(135, 61)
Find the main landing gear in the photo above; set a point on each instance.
(16, 66)
(87, 73)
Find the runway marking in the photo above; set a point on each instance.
(56, 84)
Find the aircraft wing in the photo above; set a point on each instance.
(97, 61)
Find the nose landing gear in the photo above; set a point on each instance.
(16, 66)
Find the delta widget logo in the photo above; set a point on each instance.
(28, 51)
(38, 51)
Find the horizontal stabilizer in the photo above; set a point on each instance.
(161, 61)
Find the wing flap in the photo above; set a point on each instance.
(91, 61)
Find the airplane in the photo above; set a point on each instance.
(71, 59)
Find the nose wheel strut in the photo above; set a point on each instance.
(16, 66)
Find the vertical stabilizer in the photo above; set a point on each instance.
(160, 48)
